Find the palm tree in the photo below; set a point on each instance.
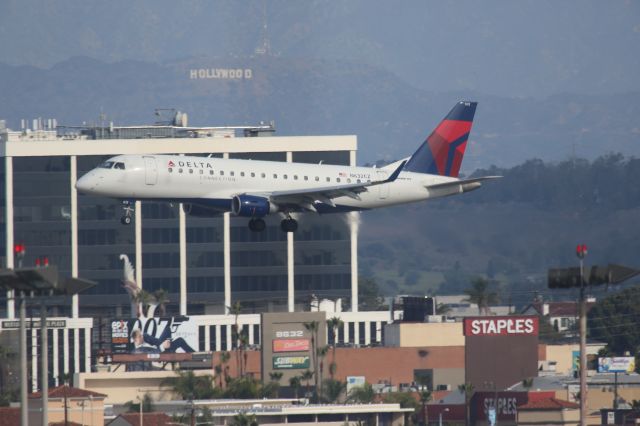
(467, 390)
(442, 309)
(425, 397)
(295, 382)
(307, 376)
(189, 386)
(275, 377)
(479, 294)
(332, 390)
(244, 420)
(236, 310)
(334, 324)
(320, 354)
(312, 327)
(362, 394)
(142, 298)
(162, 298)
(224, 359)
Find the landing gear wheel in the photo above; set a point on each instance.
(257, 225)
(128, 212)
(289, 225)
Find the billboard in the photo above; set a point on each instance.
(290, 345)
(621, 364)
(154, 335)
(501, 326)
(291, 362)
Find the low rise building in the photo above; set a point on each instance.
(548, 411)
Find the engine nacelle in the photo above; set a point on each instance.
(251, 206)
(196, 210)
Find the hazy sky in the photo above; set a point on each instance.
(507, 48)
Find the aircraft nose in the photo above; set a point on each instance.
(86, 183)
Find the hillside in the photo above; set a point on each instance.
(389, 116)
(512, 230)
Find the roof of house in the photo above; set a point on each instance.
(558, 309)
(69, 392)
(148, 419)
(548, 404)
(9, 416)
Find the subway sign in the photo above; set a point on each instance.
(290, 362)
(501, 326)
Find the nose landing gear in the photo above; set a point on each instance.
(127, 217)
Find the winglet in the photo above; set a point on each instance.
(395, 173)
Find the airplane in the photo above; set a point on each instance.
(209, 187)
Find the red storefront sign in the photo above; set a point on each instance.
(501, 326)
(290, 345)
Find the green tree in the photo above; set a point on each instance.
(243, 388)
(295, 383)
(275, 377)
(479, 294)
(333, 390)
(406, 400)
(307, 376)
(442, 309)
(243, 419)
(313, 327)
(147, 405)
(362, 394)
(613, 320)
(467, 390)
(189, 386)
(334, 324)
(425, 397)
(369, 298)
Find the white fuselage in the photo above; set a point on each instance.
(188, 179)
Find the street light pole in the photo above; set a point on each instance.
(24, 409)
(581, 252)
(446, 410)
(44, 366)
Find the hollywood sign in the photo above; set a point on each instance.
(221, 74)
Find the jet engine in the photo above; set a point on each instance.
(252, 206)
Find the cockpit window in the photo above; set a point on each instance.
(119, 166)
(106, 165)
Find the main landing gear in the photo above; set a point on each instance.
(257, 225)
(287, 225)
(127, 217)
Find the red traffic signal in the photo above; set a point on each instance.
(581, 251)
(19, 249)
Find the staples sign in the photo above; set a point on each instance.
(501, 326)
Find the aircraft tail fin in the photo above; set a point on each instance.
(442, 152)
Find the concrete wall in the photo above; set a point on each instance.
(422, 334)
(556, 417)
(397, 364)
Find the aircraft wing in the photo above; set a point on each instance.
(305, 198)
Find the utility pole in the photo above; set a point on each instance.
(581, 252)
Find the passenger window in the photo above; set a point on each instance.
(201, 171)
(221, 173)
(242, 174)
(232, 173)
(211, 172)
(284, 176)
(253, 174)
(170, 170)
(275, 176)
(191, 171)
(306, 178)
(359, 181)
(328, 179)
(179, 170)
(295, 177)
(263, 175)
(348, 180)
(338, 180)
(317, 179)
